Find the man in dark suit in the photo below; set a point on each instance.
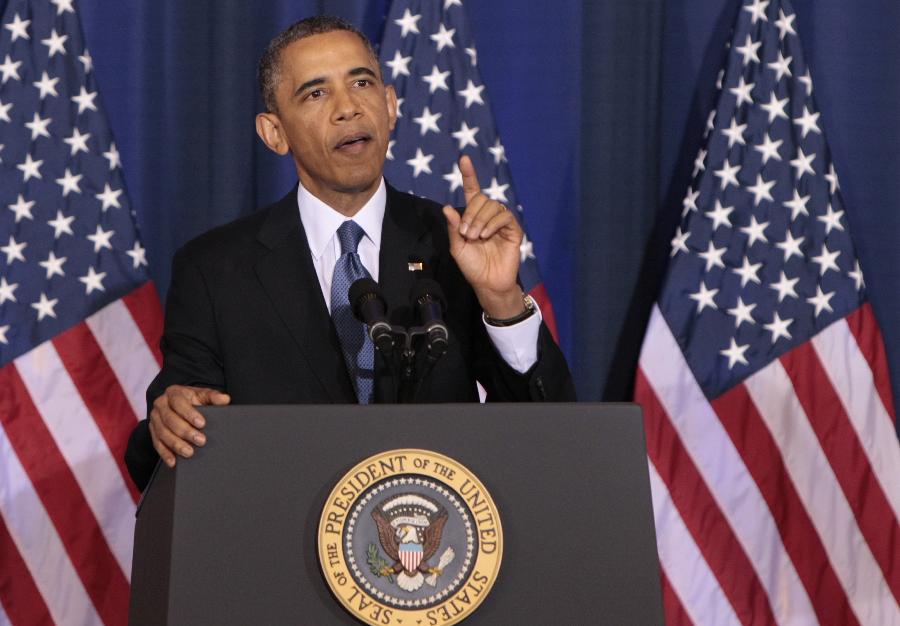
(251, 316)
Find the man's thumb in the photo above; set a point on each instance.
(205, 396)
(218, 398)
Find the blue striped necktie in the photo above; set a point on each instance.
(359, 352)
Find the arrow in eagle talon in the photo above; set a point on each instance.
(446, 559)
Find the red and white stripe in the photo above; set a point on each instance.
(778, 501)
(66, 502)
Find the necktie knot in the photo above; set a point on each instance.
(349, 234)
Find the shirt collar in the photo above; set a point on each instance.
(321, 222)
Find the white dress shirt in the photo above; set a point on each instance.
(517, 344)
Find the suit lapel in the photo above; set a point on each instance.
(286, 272)
(402, 240)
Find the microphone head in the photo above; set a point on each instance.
(428, 287)
(362, 291)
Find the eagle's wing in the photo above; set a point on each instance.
(433, 536)
(386, 536)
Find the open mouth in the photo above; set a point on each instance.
(353, 141)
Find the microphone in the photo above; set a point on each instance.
(369, 308)
(428, 297)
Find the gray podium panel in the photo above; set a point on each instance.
(229, 536)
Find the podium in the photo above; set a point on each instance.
(230, 536)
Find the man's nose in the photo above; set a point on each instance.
(346, 105)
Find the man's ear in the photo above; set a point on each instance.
(391, 97)
(268, 127)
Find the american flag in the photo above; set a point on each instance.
(428, 53)
(774, 463)
(79, 329)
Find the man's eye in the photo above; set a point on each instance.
(363, 82)
(315, 94)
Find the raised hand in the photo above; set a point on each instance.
(485, 242)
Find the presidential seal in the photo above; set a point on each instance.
(410, 537)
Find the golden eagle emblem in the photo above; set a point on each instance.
(409, 530)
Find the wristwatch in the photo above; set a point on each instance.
(530, 307)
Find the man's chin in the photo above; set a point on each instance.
(357, 186)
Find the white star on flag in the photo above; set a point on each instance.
(454, 177)
(808, 122)
(496, 191)
(472, 93)
(63, 6)
(399, 65)
(713, 256)
(420, 162)
(769, 148)
(778, 327)
(7, 291)
(69, 182)
(18, 28)
(138, 255)
(85, 100)
(735, 354)
(466, 136)
(821, 301)
(45, 307)
(22, 208)
(797, 205)
(92, 281)
(742, 313)
(704, 297)
(112, 155)
(831, 219)
(101, 238)
(428, 121)
(436, 80)
(53, 265)
(408, 23)
(735, 133)
(444, 37)
(30, 168)
(47, 86)
(38, 126)
(55, 43)
(526, 250)
(10, 69)
(86, 61)
(13, 250)
(61, 225)
(77, 141)
(109, 197)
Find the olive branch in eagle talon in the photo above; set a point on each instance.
(378, 565)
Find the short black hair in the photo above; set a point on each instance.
(270, 64)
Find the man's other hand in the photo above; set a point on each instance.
(485, 242)
(175, 424)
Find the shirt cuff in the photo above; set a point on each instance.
(517, 344)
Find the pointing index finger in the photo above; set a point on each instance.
(471, 188)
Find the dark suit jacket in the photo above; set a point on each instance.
(245, 314)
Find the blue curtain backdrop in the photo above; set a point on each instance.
(600, 105)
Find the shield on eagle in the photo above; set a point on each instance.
(410, 556)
